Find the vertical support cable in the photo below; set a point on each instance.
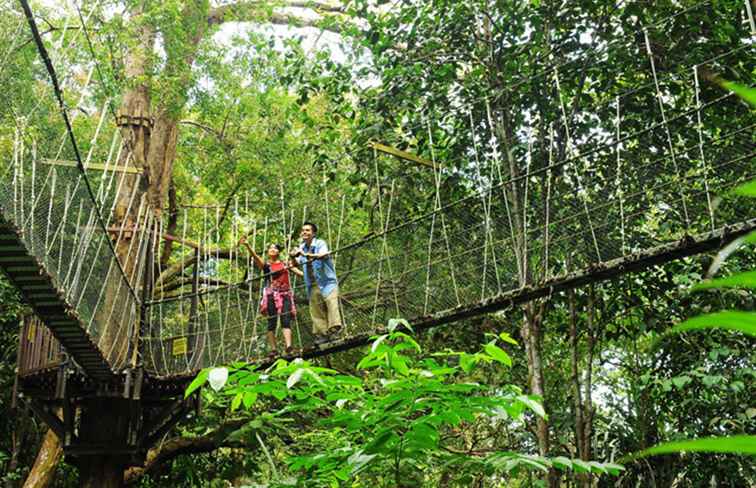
(547, 217)
(503, 184)
(665, 122)
(437, 176)
(486, 197)
(701, 152)
(751, 20)
(618, 179)
(571, 149)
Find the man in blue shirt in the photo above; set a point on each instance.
(321, 283)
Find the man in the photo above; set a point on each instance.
(321, 283)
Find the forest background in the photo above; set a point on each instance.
(248, 109)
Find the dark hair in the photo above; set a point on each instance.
(277, 246)
(314, 227)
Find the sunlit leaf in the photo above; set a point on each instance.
(197, 382)
(744, 322)
(740, 444)
(744, 92)
(746, 280)
(498, 354)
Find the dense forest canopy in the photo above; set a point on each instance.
(251, 117)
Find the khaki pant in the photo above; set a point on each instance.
(324, 311)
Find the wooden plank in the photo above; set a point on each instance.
(95, 166)
(401, 154)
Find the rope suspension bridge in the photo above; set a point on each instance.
(599, 190)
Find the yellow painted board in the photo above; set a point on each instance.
(180, 346)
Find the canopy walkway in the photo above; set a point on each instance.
(80, 241)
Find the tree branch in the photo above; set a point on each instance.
(256, 11)
(177, 446)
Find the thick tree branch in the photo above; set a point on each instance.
(178, 446)
(256, 11)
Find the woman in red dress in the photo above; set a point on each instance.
(277, 298)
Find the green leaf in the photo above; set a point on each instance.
(532, 404)
(498, 354)
(739, 444)
(377, 444)
(746, 190)
(249, 399)
(613, 469)
(744, 322)
(377, 342)
(398, 364)
(200, 380)
(580, 466)
(236, 401)
(744, 92)
(745, 280)
(561, 463)
(507, 338)
(394, 323)
(681, 381)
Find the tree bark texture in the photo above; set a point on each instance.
(42, 473)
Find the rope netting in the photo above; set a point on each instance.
(627, 183)
(609, 175)
(64, 211)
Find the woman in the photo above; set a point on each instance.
(277, 298)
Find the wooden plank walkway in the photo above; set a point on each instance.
(37, 288)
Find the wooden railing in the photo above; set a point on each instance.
(37, 348)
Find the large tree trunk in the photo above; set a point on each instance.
(43, 471)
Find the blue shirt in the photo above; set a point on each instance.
(323, 269)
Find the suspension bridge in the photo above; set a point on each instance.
(127, 303)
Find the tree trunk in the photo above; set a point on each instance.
(108, 434)
(101, 472)
(532, 335)
(42, 473)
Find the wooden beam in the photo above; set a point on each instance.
(95, 166)
(401, 154)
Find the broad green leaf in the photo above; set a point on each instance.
(744, 92)
(507, 338)
(562, 463)
(745, 280)
(380, 441)
(249, 399)
(498, 354)
(739, 444)
(393, 324)
(236, 401)
(746, 190)
(532, 404)
(580, 466)
(613, 469)
(681, 381)
(398, 364)
(744, 322)
(377, 342)
(197, 382)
